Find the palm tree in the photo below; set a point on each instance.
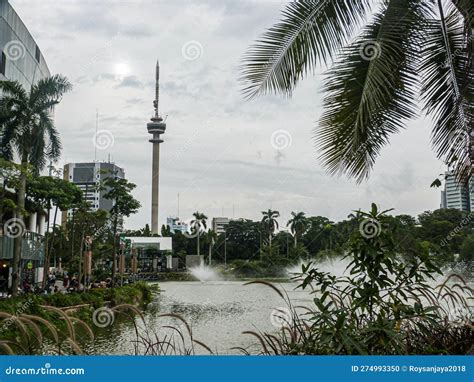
(371, 90)
(297, 224)
(199, 223)
(329, 230)
(27, 129)
(270, 223)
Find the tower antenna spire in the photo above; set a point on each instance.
(157, 89)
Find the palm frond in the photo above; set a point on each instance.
(26, 121)
(49, 89)
(14, 89)
(54, 142)
(370, 90)
(8, 139)
(311, 32)
(448, 89)
(37, 154)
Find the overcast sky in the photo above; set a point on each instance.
(221, 153)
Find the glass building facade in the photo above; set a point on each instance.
(21, 60)
(457, 196)
(20, 57)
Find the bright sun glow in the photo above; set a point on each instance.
(122, 69)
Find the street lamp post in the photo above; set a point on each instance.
(225, 248)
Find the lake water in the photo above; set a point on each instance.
(217, 311)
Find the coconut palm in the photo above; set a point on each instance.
(298, 224)
(371, 89)
(199, 224)
(27, 130)
(270, 223)
(329, 233)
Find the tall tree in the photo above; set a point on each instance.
(270, 223)
(27, 129)
(298, 224)
(199, 224)
(371, 89)
(47, 191)
(86, 222)
(124, 204)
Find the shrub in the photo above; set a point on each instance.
(384, 306)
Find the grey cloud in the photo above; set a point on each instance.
(97, 18)
(130, 82)
(84, 79)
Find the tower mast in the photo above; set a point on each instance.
(156, 127)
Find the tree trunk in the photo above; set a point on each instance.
(19, 239)
(71, 238)
(2, 200)
(198, 249)
(50, 249)
(81, 251)
(46, 250)
(47, 253)
(296, 240)
(210, 253)
(114, 250)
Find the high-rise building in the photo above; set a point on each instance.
(443, 199)
(20, 58)
(456, 195)
(87, 177)
(176, 225)
(219, 224)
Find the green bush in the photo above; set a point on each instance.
(385, 305)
